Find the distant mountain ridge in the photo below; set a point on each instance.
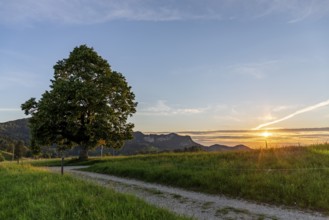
(218, 147)
(141, 143)
(170, 142)
(157, 143)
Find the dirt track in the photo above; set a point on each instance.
(193, 204)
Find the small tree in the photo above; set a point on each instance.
(35, 149)
(87, 102)
(19, 150)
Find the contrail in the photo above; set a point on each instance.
(307, 109)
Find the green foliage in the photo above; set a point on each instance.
(31, 193)
(6, 155)
(87, 102)
(293, 176)
(7, 144)
(19, 150)
(35, 149)
(13, 132)
(68, 162)
(2, 158)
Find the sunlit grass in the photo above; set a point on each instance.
(33, 193)
(294, 176)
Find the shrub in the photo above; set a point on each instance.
(2, 158)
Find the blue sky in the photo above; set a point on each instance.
(193, 65)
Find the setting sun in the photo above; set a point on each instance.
(266, 134)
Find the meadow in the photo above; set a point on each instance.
(33, 193)
(297, 177)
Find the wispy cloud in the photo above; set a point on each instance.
(88, 12)
(162, 108)
(304, 13)
(267, 117)
(217, 112)
(292, 11)
(300, 10)
(282, 108)
(256, 70)
(272, 113)
(301, 111)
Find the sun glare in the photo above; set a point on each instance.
(266, 134)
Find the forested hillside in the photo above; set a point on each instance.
(16, 130)
(13, 131)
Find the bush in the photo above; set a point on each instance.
(2, 158)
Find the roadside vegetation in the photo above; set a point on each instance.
(33, 193)
(67, 162)
(293, 176)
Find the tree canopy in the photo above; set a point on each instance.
(87, 102)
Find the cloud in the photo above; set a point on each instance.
(267, 117)
(218, 112)
(270, 115)
(305, 13)
(90, 12)
(293, 10)
(225, 113)
(162, 108)
(301, 111)
(281, 108)
(255, 70)
(306, 10)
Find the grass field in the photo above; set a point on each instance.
(296, 176)
(32, 193)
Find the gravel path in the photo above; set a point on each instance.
(193, 204)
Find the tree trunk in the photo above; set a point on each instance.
(62, 163)
(83, 153)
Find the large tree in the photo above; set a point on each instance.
(87, 102)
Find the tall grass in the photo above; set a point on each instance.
(31, 193)
(295, 176)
